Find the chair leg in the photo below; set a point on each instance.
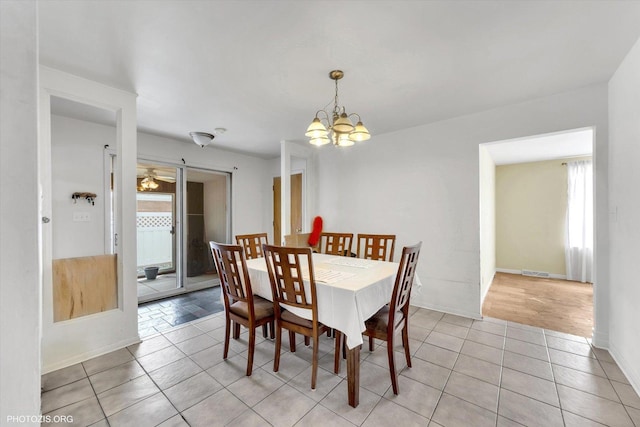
(227, 331)
(276, 358)
(392, 366)
(344, 348)
(314, 365)
(272, 329)
(336, 357)
(236, 330)
(252, 346)
(370, 343)
(264, 330)
(306, 341)
(292, 342)
(405, 344)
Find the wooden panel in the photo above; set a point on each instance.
(83, 286)
(197, 248)
(277, 236)
(296, 206)
(195, 198)
(300, 240)
(296, 203)
(198, 252)
(297, 240)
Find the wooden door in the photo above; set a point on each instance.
(296, 206)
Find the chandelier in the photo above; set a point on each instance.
(336, 126)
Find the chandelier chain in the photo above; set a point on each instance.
(336, 110)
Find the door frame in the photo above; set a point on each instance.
(303, 228)
(67, 342)
(181, 216)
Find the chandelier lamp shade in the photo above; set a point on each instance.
(336, 126)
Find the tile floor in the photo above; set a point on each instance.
(465, 373)
(158, 316)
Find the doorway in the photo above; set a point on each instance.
(296, 206)
(88, 217)
(523, 233)
(156, 208)
(179, 210)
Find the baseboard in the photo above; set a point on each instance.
(630, 370)
(486, 291)
(507, 270)
(90, 354)
(450, 310)
(599, 339)
(511, 271)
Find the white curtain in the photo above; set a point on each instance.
(579, 223)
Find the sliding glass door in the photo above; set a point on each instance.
(179, 210)
(157, 202)
(207, 219)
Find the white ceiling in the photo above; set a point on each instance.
(259, 68)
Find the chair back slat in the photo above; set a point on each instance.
(378, 247)
(232, 271)
(404, 279)
(288, 269)
(336, 243)
(252, 244)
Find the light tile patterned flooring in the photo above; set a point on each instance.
(465, 373)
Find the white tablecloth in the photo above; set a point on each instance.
(343, 304)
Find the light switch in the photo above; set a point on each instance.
(81, 216)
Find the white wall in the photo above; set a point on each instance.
(77, 163)
(531, 206)
(422, 183)
(624, 202)
(78, 151)
(250, 181)
(20, 294)
(487, 221)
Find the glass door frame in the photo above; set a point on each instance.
(178, 217)
(180, 214)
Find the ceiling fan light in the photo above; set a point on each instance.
(316, 129)
(152, 185)
(201, 138)
(343, 124)
(360, 133)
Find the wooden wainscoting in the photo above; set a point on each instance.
(83, 286)
(559, 305)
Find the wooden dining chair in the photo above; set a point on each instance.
(395, 316)
(240, 305)
(336, 243)
(379, 247)
(288, 270)
(252, 244)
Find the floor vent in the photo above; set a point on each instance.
(535, 273)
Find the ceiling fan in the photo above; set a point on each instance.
(149, 177)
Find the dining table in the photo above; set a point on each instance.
(349, 291)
